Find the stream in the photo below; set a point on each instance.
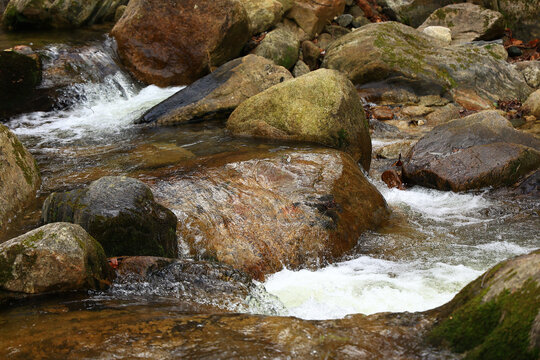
(435, 243)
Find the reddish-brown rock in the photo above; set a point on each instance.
(313, 15)
(171, 42)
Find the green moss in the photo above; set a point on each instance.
(496, 329)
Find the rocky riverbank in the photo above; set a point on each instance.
(267, 155)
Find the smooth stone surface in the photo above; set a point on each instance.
(441, 33)
(258, 212)
(321, 107)
(217, 94)
(312, 16)
(264, 14)
(281, 46)
(531, 72)
(176, 45)
(474, 152)
(533, 104)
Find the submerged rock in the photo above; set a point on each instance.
(321, 107)
(121, 213)
(468, 22)
(53, 258)
(397, 55)
(497, 315)
(260, 212)
(217, 94)
(19, 176)
(477, 151)
(281, 46)
(175, 44)
(58, 14)
(312, 16)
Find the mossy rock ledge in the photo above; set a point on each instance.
(320, 107)
(497, 316)
(397, 55)
(120, 213)
(53, 258)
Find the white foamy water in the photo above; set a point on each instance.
(367, 285)
(107, 108)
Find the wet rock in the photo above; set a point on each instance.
(496, 315)
(300, 69)
(281, 46)
(440, 33)
(514, 51)
(531, 72)
(121, 213)
(394, 149)
(411, 12)
(19, 177)
(533, 104)
(20, 74)
(312, 15)
(20, 14)
(444, 114)
(188, 41)
(217, 94)
(467, 22)
(471, 101)
(321, 107)
(477, 151)
(400, 56)
(383, 113)
(119, 12)
(264, 14)
(259, 212)
(416, 111)
(53, 258)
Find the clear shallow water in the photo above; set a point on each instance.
(435, 244)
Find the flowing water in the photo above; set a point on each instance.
(435, 243)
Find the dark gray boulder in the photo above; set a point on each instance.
(121, 213)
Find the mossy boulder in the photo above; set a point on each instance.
(497, 316)
(400, 56)
(53, 258)
(21, 14)
(474, 152)
(120, 213)
(264, 14)
(281, 46)
(19, 177)
(467, 22)
(260, 211)
(20, 74)
(175, 43)
(217, 94)
(321, 107)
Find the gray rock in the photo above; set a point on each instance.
(121, 213)
(530, 71)
(281, 46)
(360, 21)
(411, 12)
(533, 104)
(217, 94)
(300, 69)
(345, 20)
(467, 22)
(53, 258)
(477, 151)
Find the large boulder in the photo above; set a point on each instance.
(19, 176)
(313, 15)
(121, 213)
(259, 212)
(497, 316)
(467, 22)
(412, 12)
(20, 74)
(399, 55)
(217, 94)
(520, 15)
(321, 107)
(58, 14)
(53, 258)
(477, 151)
(264, 14)
(177, 42)
(281, 46)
